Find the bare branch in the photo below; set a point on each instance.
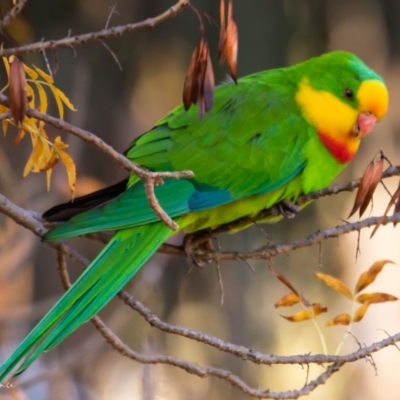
(115, 31)
(12, 14)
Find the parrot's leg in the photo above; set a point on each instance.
(288, 209)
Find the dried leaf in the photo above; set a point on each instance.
(341, 319)
(288, 300)
(222, 33)
(335, 284)
(231, 43)
(318, 309)
(19, 137)
(59, 103)
(360, 312)
(199, 82)
(30, 95)
(367, 277)
(17, 91)
(61, 95)
(71, 170)
(42, 97)
(31, 73)
(191, 88)
(48, 162)
(228, 40)
(375, 179)
(35, 155)
(363, 188)
(48, 78)
(68, 162)
(283, 279)
(376, 297)
(208, 85)
(304, 315)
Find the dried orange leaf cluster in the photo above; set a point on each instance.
(369, 182)
(228, 40)
(199, 81)
(311, 310)
(45, 153)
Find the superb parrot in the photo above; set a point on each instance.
(269, 138)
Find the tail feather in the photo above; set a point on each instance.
(100, 282)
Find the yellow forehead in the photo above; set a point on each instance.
(373, 97)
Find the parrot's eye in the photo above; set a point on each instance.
(349, 93)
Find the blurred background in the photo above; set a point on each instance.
(120, 105)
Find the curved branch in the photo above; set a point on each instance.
(149, 177)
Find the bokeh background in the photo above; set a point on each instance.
(119, 105)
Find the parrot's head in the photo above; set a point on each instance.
(342, 98)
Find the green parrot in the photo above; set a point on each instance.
(269, 138)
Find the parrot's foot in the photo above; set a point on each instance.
(193, 251)
(288, 209)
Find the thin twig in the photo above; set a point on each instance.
(155, 205)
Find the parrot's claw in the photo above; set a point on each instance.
(288, 209)
(192, 250)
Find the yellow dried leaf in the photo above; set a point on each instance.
(360, 312)
(30, 72)
(71, 170)
(34, 157)
(302, 315)
(318, 309)
(6, 66)
(49, 162)
(48, 78)
(59, 144)
(367, 277)
(309, 313)
(30, 93)
(42, 97)
(335, 284)
(341, 319)
(59, 103)
(288, 300)
(376, 297)
(61, 99)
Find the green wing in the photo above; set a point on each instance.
(252, 142)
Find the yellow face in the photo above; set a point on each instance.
(338, 121)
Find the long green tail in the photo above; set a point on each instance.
(128, 250)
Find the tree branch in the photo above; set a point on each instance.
(13, 13)
(115, 31)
